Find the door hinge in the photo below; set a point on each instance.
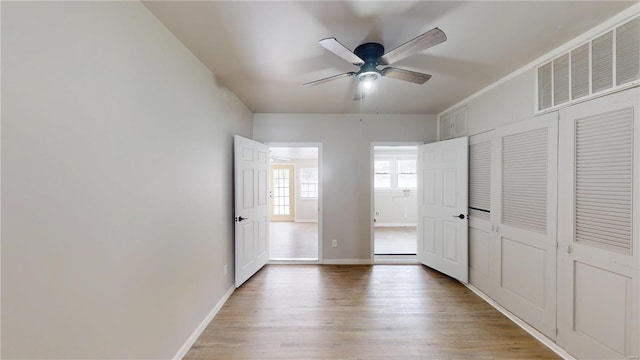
(557, 331)
(569, 249)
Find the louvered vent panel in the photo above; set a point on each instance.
(524, 180)
(480, 179)
(628, 52)
(602, 62)
(544, 86)
(580, 72)
(604, 179)
(561, 79)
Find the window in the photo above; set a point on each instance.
(395, 172)
(309, 183)
(382, 174)
(407, 173)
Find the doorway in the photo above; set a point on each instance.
(394, 198)
(294, 202)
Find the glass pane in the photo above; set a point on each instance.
(382, 166)
(382, 180)
(407, 180)
(407, 166)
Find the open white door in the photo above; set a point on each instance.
(442, 207)
(251, 208)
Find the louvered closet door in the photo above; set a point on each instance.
(598, 229)
(480, 244)
(524, 209)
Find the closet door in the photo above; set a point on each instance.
(480, 246)
(524, 193)
(599, 230)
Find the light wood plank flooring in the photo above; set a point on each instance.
(360, 312)
(293, 241)
(395, 240)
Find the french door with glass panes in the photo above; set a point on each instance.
(281, 193)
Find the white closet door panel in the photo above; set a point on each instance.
(524, 184)
(599, 229)
(481, 247)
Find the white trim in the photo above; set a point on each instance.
(346, 262)
(603, 27)
(203, 325)
(396, 260)
(303, 261)
(306, 220)
(395, 224)
(526, 327)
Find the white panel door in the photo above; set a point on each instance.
(599, 230)
(524, 207)
(442, 207)
(251, 207)
(481, 246)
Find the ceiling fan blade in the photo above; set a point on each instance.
(335, 47)
(334, 77)
(432, 37)
(406, 75)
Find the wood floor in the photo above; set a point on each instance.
(360, 312)
(293, 240)
(395, 239)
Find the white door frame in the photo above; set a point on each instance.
(320, 192)
(372, 255)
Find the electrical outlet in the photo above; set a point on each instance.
(334, 243)
(224, 269)
(377, 213)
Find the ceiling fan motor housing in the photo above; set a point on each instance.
(370, 53)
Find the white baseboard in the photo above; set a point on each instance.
(394, 224)
(346, 262)
(526, 327)
(306, 220)
(203, 325)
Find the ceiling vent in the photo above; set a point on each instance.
(604, 64)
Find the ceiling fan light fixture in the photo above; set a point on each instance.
(368, 78)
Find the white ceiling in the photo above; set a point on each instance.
(265, 50)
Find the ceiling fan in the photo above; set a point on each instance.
(369, 56)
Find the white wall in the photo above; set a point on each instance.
(394, 207)
(116, 183)
(346, 166)
(506, 103)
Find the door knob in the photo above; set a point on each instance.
(240, 218)
(461, 216)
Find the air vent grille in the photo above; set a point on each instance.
(544, 86)
(602, 62)
(561, 80)
(599, 66)
(628, 52)
(580, 72)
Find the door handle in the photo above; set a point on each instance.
(240, 218)
(461, 216)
